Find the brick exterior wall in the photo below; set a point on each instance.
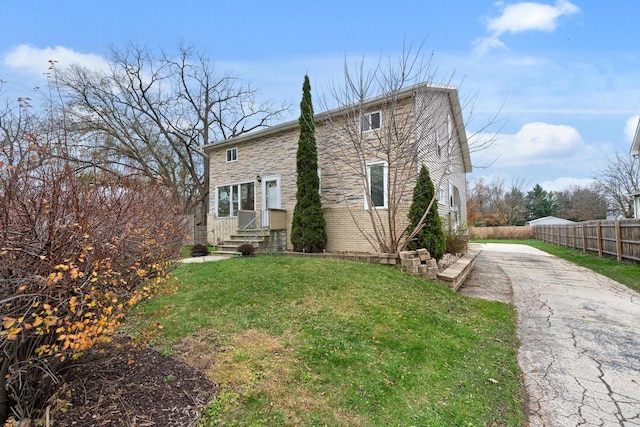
(344, 235)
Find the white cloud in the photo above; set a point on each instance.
(483, 45)
(535, 143)
(36, 61)
(566, 183)
(631, 127)
(520, 17)
(529, 16)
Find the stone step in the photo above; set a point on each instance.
(238, 240)
(226, 252)
(456, 273)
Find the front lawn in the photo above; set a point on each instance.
(304, 341)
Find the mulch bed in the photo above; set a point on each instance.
(132, 385)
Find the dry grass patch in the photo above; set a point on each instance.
(254, 364)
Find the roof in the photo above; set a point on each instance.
(452, 92)
(635, 146)
(548, 220)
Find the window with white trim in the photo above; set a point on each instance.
(232, 155)
(442, 196)
(231, 198)
(377, 178)
(370, 121)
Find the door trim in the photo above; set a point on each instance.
(265, 211)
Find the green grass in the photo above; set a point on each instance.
(627, 273)
(304, 341)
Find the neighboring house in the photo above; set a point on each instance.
(636, 204)
(253, 176)
(635, 152)
(548, 220)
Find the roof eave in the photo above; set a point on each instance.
(462, 134)
(286, 126)
(635, 146)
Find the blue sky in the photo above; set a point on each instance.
(563, 75)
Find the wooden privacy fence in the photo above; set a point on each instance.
(619, 238)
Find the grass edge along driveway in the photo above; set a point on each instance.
(304, 341)
(625, 272)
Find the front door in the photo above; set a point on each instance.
(270, 197)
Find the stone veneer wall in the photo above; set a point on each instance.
(275, 155)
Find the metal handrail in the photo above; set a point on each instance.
(244, 229)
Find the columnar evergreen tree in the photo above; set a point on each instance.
(308, 230)
(431, 236)
(540, 203)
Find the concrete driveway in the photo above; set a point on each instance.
(579, 333)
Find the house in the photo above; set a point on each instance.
(635, 152)
(548, 220)
(253, 176)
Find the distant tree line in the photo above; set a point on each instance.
(492, 204)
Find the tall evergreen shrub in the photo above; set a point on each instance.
(431, 236)
(308, 230)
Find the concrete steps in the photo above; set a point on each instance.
(253, 236)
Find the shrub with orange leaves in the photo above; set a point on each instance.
(77, 251)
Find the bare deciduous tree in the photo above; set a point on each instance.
(150, 114)
(581, 204)
(616, 181)
(409, 130)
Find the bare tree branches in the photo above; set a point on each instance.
(150, 114)
(617, 181)
(396, 116)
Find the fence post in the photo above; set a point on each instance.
(573, 230)
(584, 237)
(599, 238)
(618, 241)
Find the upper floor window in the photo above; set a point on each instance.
(370, 121)
(232, 154)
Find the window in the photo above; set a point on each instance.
(370, 121)
(231, 198)
(377, 177)
(450, 195)
(232, 155)
(438, 146)
(442, 197)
